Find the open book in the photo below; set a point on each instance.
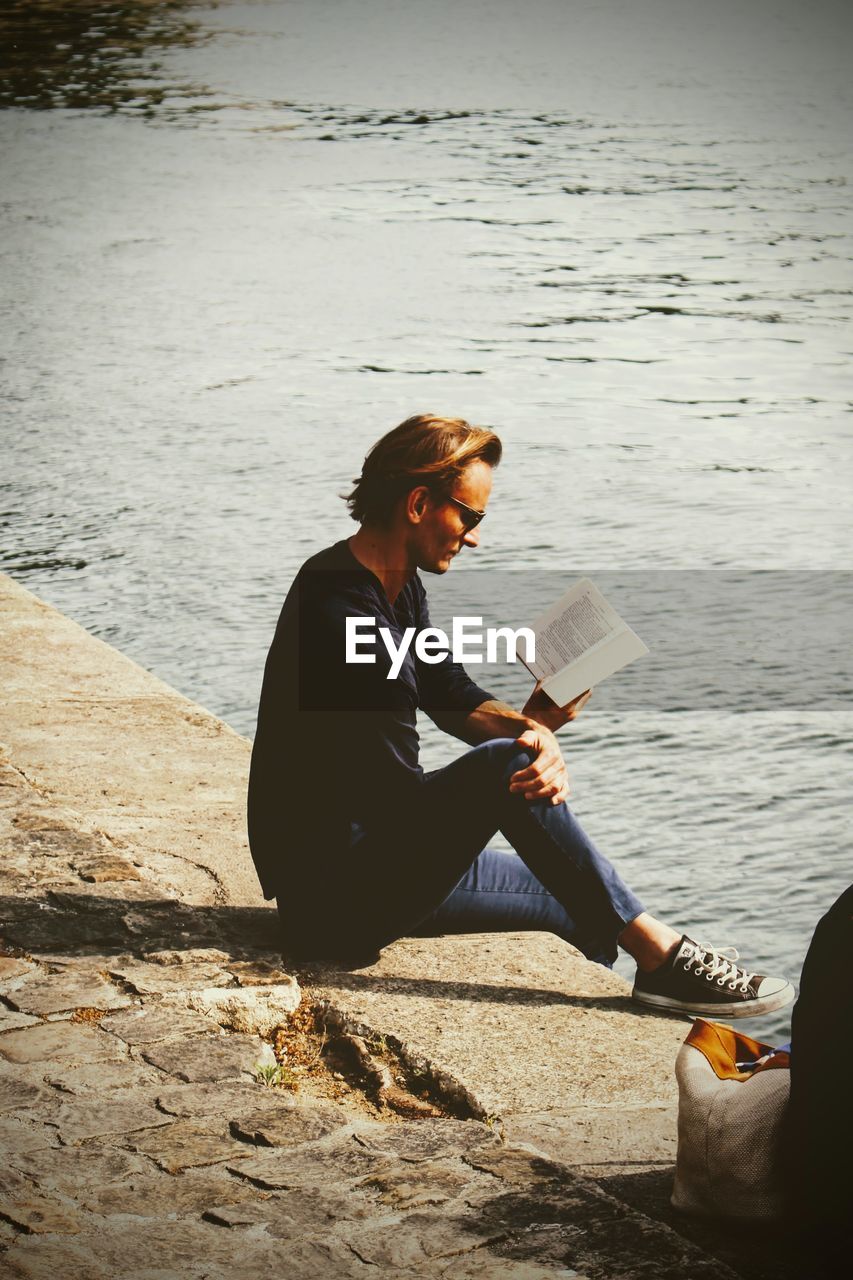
(580, 641)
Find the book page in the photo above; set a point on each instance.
(578, 623)
(594, 666)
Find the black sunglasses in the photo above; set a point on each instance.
(470, 516)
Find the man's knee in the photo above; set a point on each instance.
(504, 756)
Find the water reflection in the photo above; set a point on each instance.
(92, 53)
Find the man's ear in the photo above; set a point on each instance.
(417, 503)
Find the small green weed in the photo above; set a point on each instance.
(276, 1076)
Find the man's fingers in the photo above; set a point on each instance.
(544, 768)
(549, 784)
(546, 778)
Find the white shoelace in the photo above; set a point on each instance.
(718, 963)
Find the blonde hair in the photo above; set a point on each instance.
(424, 450)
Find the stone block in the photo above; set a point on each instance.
(317, 1165)
(417, 1239)
(487, 1266)
(210, 1058)
(108, 868)
(259, 973)
(153, 1193)
(156, 1023)
(278, 1123)
(183, 1145)
(102, 1078)
(255, 1010)
(17, 1094)
(516, 1167)
(80, 1172)
(425, 1139)
(11, 1020)
(12, 967)
(147, 978)
(34, 1258)
(189, 957)
(25, 1132)
(177, 1250)
(407, 1189)
(290, 1217)
(90, 1118)
(68, 1042)
(217, 1098)
(599, 1140)
(44, 994)
(30, 1211)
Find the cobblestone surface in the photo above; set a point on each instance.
(138, 1142)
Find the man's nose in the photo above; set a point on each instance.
(472, 538)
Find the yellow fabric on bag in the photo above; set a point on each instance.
(724, 1048)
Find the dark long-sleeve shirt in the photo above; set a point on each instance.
(337, 743)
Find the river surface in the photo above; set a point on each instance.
(239, 243)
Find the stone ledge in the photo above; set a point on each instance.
(109, 772)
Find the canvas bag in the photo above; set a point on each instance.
(729, 1125)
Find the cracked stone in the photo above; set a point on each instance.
(157, 1250)
(290, 1217)
(426, 1139)
(147, 978)
(258, 1010)
(182, 1145)
(106, 869)
(314, 1165)
(487, 1266)
(11, 1020)
(520, 1168)
(162, 920)
(7, 1235)
(259, 973)
(78, 1172)
(210, 1058)
(26, 1209)
(23, 1133)
(68, 1041)
(40, 927)
(189, 957)
(404, 1189)
(32, 1258)
(157, 1194)
(281, 1124)
(109, 1180)
(209, 1099)
(12, 967)
(416, 1239)
(148, 1026)
(84, 962)
(91, 897)
(84, 1118)
(102, 1077)
(18, 1095)
(57, 993)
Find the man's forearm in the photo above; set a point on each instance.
(494, 719)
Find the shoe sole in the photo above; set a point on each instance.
(740, 1009)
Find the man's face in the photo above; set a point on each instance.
(445, 528)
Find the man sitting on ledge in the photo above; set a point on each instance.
(357, 843)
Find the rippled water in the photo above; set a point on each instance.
(239, 243)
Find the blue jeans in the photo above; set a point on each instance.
(435, 875)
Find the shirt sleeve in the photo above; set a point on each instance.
(445, 686)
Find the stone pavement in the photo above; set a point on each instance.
(141, 987)
(138, 1142)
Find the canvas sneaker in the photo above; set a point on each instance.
(704, 980)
